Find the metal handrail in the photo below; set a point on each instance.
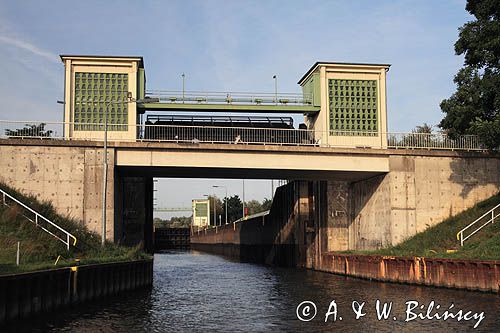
(268, 135)
(433, 141)
(208, 97)
(491, 220)
(39, 216)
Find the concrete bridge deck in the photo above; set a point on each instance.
(247, 161)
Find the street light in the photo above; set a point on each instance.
(215, 208)
(183, 86)
(105, 157)
(275, 77)
(225, 198)
(63, 126)
(243, 199)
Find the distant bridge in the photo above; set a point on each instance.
(173, 209)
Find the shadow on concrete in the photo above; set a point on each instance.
(362, 194)
(471, 172)
(281, 238)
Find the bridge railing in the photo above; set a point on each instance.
(237, 135)
(208, 97)
(229, 135)
(433, 141)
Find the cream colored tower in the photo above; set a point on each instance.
(201, 212)
(352, 98)
(95, 85)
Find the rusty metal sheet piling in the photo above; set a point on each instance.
(449, 273)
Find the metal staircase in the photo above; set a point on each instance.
(482, 221)
(41, 221)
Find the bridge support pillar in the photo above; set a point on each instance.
(134, 211)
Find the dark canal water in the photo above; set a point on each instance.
(196, 292)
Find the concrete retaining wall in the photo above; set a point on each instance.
(27, 294)
(418, 192)
(450, 273)
(253, 240)
(69, 177)
(285, 237)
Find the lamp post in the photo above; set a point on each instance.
(225, 198)
(183, 86)
(275, 77)
(215, 207)
(64, 115)
(105, 155)
(243, 215)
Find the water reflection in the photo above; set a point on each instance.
(196, 292)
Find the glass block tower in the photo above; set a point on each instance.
(201, 212)
(98, 85)
(352, 101)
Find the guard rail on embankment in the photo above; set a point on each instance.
(28, 294)
(448, 273)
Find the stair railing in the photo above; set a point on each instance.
(68, 239)
(490, 217)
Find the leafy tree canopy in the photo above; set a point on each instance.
(234, 208)
(28, 131)
(423, 129)
(474, 107)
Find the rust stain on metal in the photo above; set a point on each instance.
(450, 273)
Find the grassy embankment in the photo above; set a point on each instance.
(39, 250)
(435, 241)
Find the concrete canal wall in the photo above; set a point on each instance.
(299, 233)
(284, 237)
(27, 294)
(449, 273)
(420, 190)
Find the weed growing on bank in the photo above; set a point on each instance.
(436, 240)
(39, 250)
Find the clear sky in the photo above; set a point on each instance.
(231, 46)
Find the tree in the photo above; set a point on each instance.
(474, 107)
(423, 129)
(253, 207)
(216, 203)
(267, 203)
(158, 223)
(29, 131)
(234, 208)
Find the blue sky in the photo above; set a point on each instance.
(232, 46)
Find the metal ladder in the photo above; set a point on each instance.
(489, 216)
(40, 220)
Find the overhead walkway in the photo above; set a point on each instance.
(200, 101)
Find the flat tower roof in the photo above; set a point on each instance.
(359, 64)
(79, 56)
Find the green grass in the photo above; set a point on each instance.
(39, 250)
(435, 241)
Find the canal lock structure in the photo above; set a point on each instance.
(197, 292)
